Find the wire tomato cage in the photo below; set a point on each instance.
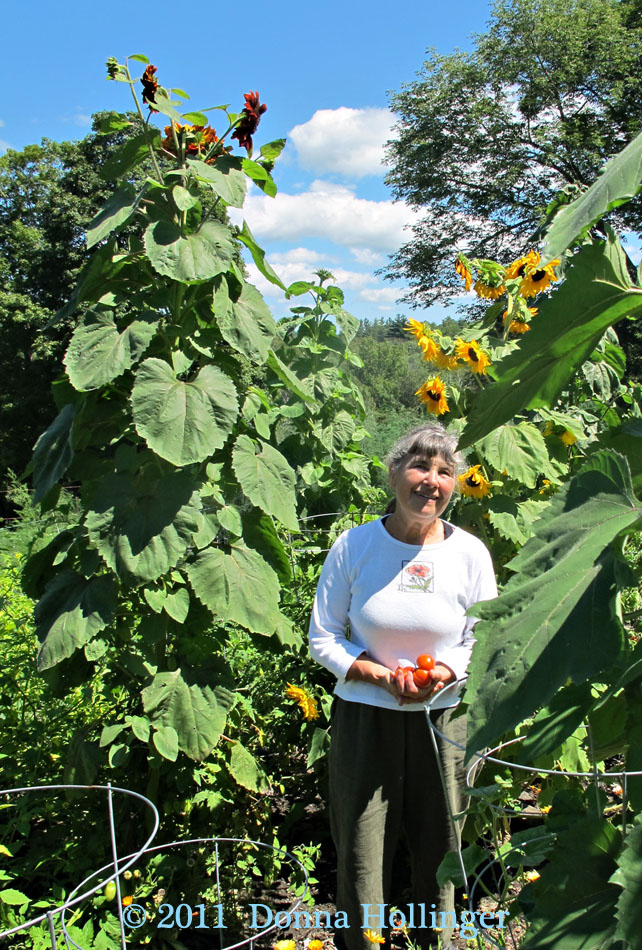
(490, 756)
(118, 865)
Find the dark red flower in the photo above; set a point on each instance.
(149, 86)
(248, 125)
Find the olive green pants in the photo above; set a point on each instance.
(385, 787)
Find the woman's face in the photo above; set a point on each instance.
(423, 486)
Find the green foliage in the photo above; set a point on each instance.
(596, 294)
(195, 432)
(557, 606)
(487, 139)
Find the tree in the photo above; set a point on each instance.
(48, 194)
(487, 139)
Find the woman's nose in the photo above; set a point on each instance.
(432, 476)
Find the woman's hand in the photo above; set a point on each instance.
(400, 685)
(408, 692)
(368, 670)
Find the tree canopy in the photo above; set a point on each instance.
(487, 139)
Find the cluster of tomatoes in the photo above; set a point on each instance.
(422, 673)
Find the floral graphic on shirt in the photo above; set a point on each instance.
(417, 576)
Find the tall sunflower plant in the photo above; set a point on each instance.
(516, 468)
(190, 428)
(552, 427)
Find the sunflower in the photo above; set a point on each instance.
(485, 290)
(537, 278)
(472, 354)
(373, 937)
(445, 361)
(518, 267)
(568, 438)
(433, 395)
(284, 945)
(520, 325)
(307, 704)
(464, 273)
(429, 347)
(473, 484)
(415, 327)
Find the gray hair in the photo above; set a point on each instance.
(427, 441)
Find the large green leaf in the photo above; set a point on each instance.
(555, 619)
(190, 258)
(70, 614)
(183, 422)
(142, 524)
(627, 439)
(53, 453)
(239, 587)
(336, 433)
(259, 532)
(619, 180)
(191, 710)
(99, 352)
(129, 154)
(556, 722)
(226, 178)
(300, 387)
(258, 256)
(629, 905)
(245, 769)
(519, 450)
(571, 906)
(245, 323)
(595, 294)
(266, 479)
(115, 213)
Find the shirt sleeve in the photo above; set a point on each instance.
(329, 644)
(484, 588)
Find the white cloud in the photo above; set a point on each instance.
(332, 212)
(4, 146)
(384, 297)
(363, 255)
(1, 123)
(346, 141)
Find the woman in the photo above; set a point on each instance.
(403, 584)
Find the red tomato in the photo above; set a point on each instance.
(422, 678)
(425, 662)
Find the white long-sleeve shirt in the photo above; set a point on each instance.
(399, 600)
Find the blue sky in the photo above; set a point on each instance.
(324, 72)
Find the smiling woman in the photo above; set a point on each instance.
(403, 584)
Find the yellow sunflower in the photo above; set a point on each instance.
(464, 273)
(568, 438)
(307, 704)
(518, 267)
(537, 278)
(433, 395)
(415, 327)
(429, 347)
(472, 354)
(473, 484)
(520, 325)
(373, 937)
(284, 945)
(445, 361)
(485, 290)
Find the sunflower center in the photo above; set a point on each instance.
(473, 481)
(433, 395)
(538, 275)
(521, 269)
(472, 354)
